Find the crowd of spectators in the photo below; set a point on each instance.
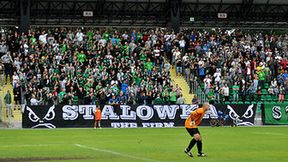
(95, 66)
(232, 65)
(90, 66)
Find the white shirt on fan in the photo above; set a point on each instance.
(34, 101)
(43, 38)
(225, 91)
(79, 36)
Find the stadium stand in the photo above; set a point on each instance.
(252, 65)
(66, 66)
(90, 67)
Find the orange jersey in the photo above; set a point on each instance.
(198, 115)
(98, 114)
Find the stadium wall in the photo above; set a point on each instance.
(123, 116)
(275, 114)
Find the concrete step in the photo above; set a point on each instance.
(180, 80)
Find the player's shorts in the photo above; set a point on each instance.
(192, 131)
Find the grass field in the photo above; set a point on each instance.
(226, 144)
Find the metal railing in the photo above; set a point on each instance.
(11, 117)
(195, 88)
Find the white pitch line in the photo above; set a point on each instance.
(270, 133)
(117, 153)
(36, 145)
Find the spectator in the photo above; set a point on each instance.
(225, 91)
(43, 37)
(187, 66)
(180, 100)
(217, 90)
(255, 83)
(261, 75)
(243, 93)
(271, 90)
(286, 86)
(179, 66)
(173, 96)
(235, 91)
(251, 91)
(201, 70)
(217, 76)
(113, 100)
(193, 84)
(195, 100)
(259, 93)
(34, 101)
(167, 66)
(8, 104)
(281, 94)
(285, 75)
(176, 54)
(277, 91)
(207, 84)
(211, 97)
(158, 100)
(17, 95)
(122, 98)
(8, 71)
(149, 66)
(142, 98)
(274, 83)
(2, 72)
(15, 79)
(149, 98)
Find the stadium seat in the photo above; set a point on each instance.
(240, 102)
(259, 102)
(274, 98)
(272, 102)
(262, 98)
(264, 92)
(247, 102)
(266, 85)
(267, 102)
(227, 102)
(268, 98)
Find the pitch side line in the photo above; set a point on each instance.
(270, 133)
(36, 145)
(116, 153)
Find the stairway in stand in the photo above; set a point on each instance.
(9, 122)
(180, 80)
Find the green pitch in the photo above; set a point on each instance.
(226, 144)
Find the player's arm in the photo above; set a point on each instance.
(192, 118)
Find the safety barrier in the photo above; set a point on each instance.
(122, 116)
(275, 114)
(13, 118)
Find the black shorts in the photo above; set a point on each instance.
(192, 131)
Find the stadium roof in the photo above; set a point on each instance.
(213, 1)
(194, 1)
(128, 13)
